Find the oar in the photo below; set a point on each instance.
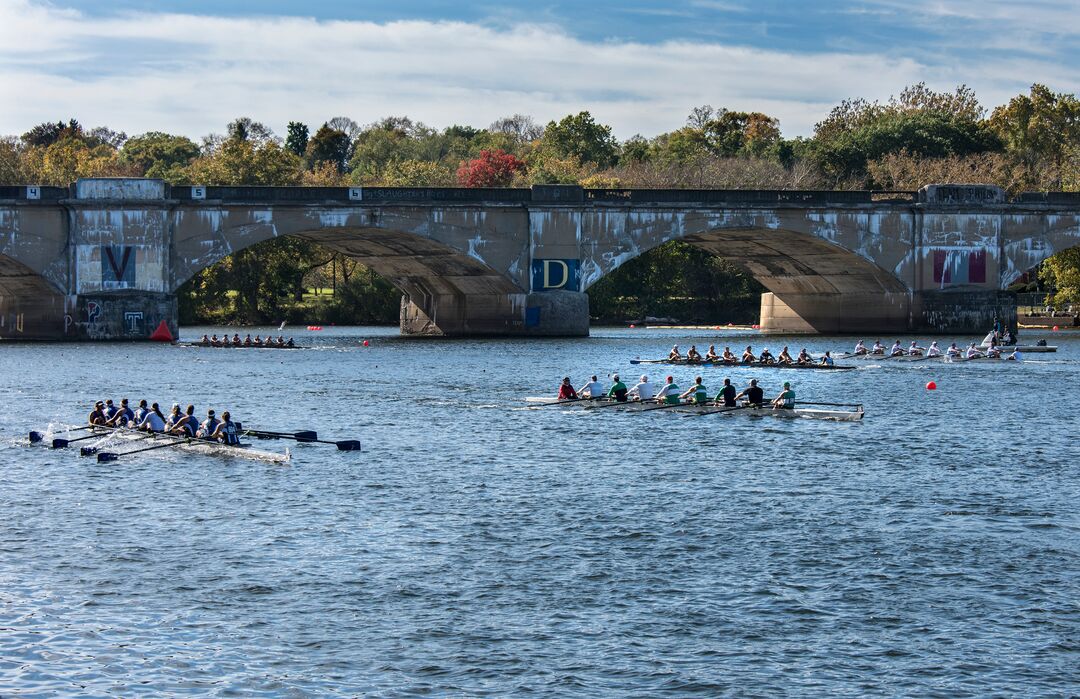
(564, 401)
(835, 405)
(666, 405)
(342, 445)
(301, 436)
(111, 456)
(728, 409)
(61, 443)
(36, 437)
(612, 404)
(90, 451)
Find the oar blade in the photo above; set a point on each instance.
(60, 443)
(104, 456)
(88, 451)
(35, 437)
(348, 445)
(306, 436)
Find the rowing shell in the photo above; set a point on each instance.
(907, 359)
(244, 451)
(745, 365)
(694, 408)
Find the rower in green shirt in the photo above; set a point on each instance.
(786, 399)
(617, 390)
(698, 391)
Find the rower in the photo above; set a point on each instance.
(878, 348)
(860, 348)
(566, 390)
(226, 432)
(97, 415)
(972, 352)
(669, 392)
(897, 350)
(643, 390)
(208, 427)
(1015, 356)
(591, 389)
(204, 340)
(247, 340)
(692, 355)
(953, 351)
(186, 425)
(993, 352)
(110, 410)
(140, 413)
(236, 340)
(711, 355)
(123, 415)
(698, 391)
(174, 418)
(748, 356)
(728, 356)
(257, 342)
(786, 399)
(804, 357)
(766, 357)
(290, 343)
(269, 342)
(753, 394)
(280, 340)
(726, 395)
(154, 420)
(784, 357)
(914, 350)
(826, 359)
(214, 341)
(674, 354)
(617, 390)
(934, 350)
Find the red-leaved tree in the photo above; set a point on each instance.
(494, 168)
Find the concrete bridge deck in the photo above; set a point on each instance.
(103, 259)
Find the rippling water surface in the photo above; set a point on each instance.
(478, 548)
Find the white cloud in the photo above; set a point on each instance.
(192, 74)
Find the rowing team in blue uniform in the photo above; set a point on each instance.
(669, 393)
(181, 424)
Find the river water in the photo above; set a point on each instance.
(478, 548)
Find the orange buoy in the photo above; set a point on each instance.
(931, 386)
(631, 325)
(1055, 328)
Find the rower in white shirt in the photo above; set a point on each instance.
(934, 350)
(915, 350)
(591, 389)
(897, 350)
(953, 351)
(860, 348)
(643, 390)
(878, 348)
(973, 352)
(1015, 356)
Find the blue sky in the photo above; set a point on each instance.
(640, 65)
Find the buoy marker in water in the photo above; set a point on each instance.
(931, 386)
(365, 343)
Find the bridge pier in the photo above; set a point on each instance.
(548, 314)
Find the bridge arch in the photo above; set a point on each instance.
(445, 290)
(31, 306)
(817, 267)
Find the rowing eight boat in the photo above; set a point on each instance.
(851, 412)
(198, 446)
(745, 365)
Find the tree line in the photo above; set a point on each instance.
(1032, 143)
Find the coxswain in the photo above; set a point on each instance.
(1015, 355)
(786, 399)
(226, 432)
(784, 357)
(669, 392)
(973, 352)
(97, 415)
(617, 390)
(692, 355)
(591, 389)
(766, 357)
(897, 350)
(674, 355)
(208, 427)
(698, 393)
(953, 352)
(711, 355)
(204, 340)
(826, 359)
(804, 357)
(748, 356)
(566, 390)
(728, 357)
(643, 390)
(123, 415)
(878, 348)
(860, 348)
(154, 421)
(727, 395)
(753, 394)
(247, 340)
(914, 350)
(933, 350)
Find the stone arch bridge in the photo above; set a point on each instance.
(103, 259)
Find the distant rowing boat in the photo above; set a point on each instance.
(848, 413)
(198, 446)
(907, 358)
(745, 365)
(203, 345)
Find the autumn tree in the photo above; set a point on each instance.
(492, 169)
